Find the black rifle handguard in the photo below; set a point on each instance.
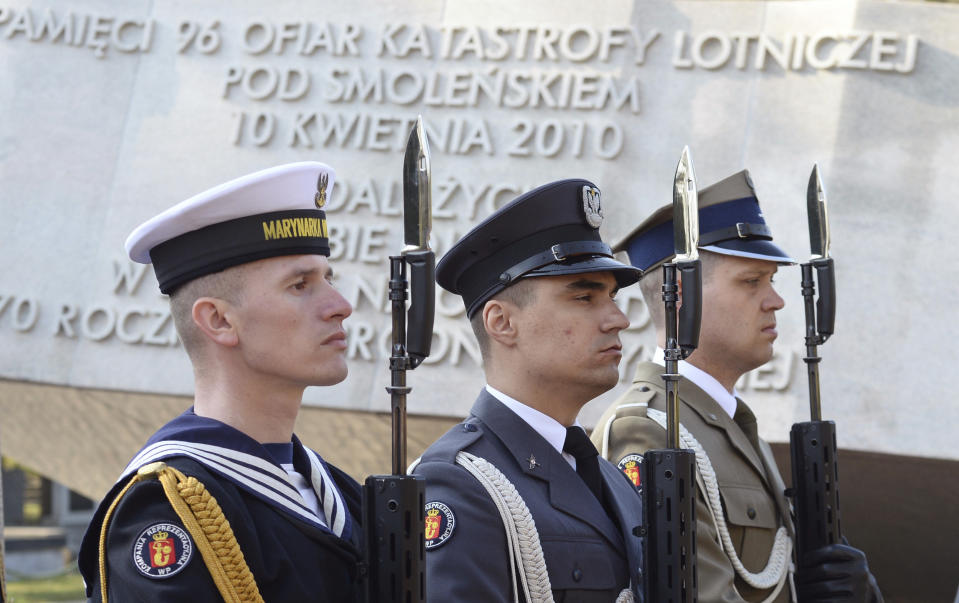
(826, 304)
(669, 498)
(395, 555)
(419, 322)
(691, 312)
(812, 446)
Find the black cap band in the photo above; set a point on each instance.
(220, 246)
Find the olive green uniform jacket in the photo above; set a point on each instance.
(750, 486)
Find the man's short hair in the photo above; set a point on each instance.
(225, 284)
(651, 287)
(520, 294)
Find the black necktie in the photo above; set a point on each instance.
(587, 463)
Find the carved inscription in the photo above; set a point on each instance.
(512, 91)
(575, 69)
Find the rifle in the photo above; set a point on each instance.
(670, 475)
(393, 505)
(812, 444)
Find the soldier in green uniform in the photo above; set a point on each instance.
(744, 535)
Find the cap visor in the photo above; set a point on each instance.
(625, 275)
(758, 249)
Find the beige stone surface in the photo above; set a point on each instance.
(92, 145)
(84, 438)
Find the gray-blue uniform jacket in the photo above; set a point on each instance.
(589, 556)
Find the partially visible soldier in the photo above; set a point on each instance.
(3, 574)
(744, 531)
(519, 504)
(224, 502)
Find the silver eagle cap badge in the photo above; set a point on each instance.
(593, 206)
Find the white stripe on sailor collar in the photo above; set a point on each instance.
(243, 457)
(317, 467)
(278, 481)
(265, 479)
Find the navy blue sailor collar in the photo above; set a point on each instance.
(246, 463)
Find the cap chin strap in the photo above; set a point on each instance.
(557, 253)
(741, 230)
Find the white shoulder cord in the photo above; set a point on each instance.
(782, 545)
(522, 539)
(521, 534)
(778, 566)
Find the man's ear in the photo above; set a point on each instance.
(498, 319)
(212, 316)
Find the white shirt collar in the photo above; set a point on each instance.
(549, 428)
(704, 381)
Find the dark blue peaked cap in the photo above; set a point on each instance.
(551, 230)
(730, 223)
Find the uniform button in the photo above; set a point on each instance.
(577, 575)
(644, 388)
(469, 427)
(751, 512)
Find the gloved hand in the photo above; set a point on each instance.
(836, 573)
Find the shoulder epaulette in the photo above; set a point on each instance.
(457, 439)
(635, 402)
(204, 520)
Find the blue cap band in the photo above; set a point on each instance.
(737, 226)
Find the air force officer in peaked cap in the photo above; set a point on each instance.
(224, 502)
(518, 503)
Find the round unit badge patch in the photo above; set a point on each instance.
(162, 550)
(439, 524)
(630, 465)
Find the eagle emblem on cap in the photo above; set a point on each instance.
(592, 206)
(321, 183)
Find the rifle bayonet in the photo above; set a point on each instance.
(393, 505)
(685, 210)
(669, 491)
(417, 224)
(818, 216)
(685, 244)
(417, 199)
(812, 444)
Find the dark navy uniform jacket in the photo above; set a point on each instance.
(292, 557)
(589, 555)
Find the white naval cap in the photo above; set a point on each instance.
(272, 212)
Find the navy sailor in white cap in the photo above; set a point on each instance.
(224, 502)
(519, 506)
(744, 531)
